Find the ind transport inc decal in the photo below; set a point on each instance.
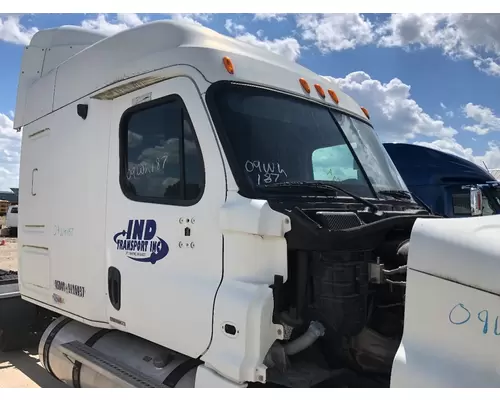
(140, 243)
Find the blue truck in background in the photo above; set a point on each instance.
(449, 185)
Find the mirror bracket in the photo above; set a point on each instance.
(476, 200)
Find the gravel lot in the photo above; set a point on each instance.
(8, 254)
(21, 369)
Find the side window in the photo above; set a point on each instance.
(161, 161)
(335, 163)
(461, 203)
(487, 206)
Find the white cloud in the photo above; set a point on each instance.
(193, 18)
(12, 31)
(233, 27)
(10, 150)
(287, 47)
(395, 114)
(476, 32)
(131, 19)
(460, 36)
(405, 30)
(270, 17)
(398, 118)
(448, 113)
(491, 157)
(335, 32)
(205, 17)
(488, 65)
(486, 119)
(106, 27)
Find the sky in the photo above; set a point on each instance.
(430, 79)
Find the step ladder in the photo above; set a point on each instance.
(107, 366)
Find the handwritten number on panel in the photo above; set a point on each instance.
(460, 315)
(144, 168)
(266, 172)
(496, 327)
(483, 317)
(458, 318)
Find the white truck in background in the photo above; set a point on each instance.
(11, 219)
(199, 212)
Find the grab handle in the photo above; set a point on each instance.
(33, 181)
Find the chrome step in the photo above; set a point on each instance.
(107, 366)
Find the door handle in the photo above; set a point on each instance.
(33, 180)
(114, 287)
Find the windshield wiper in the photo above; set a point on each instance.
(398, 194)
(406, 195)
(305, 186)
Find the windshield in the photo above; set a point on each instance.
(371, 153)
(277, 138)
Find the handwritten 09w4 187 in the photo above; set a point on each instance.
(460, 314)
(269, 172)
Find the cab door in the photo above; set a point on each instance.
(166, 185)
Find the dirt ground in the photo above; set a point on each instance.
(8, 254)
(21, 369)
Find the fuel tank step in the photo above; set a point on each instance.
(110, 368)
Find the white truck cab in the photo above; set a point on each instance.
(11, 219)
(200, 212)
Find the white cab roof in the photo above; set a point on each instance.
(65, 64)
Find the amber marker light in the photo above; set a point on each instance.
(228, 64)
(305, 85)
(365, 111)
(320, 90)
(334, 96)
